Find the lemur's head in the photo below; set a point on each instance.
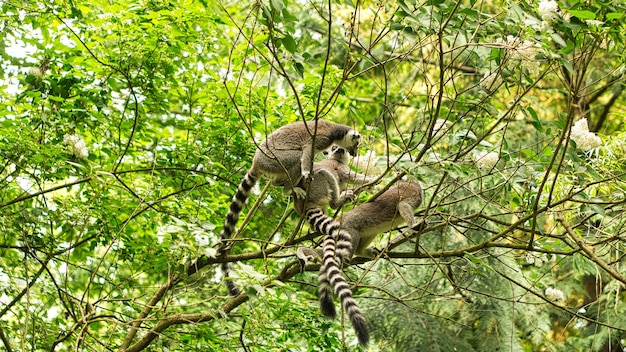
(338, 153)
(350, 142)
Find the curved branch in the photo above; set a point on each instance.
(17, 298)
(288, 272)
(147, 309)
(52, 189)
(5, 340)
(589, 252)
(89, 178)
(606, 108)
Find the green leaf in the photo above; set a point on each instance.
(536, 123)
(568, 48)
(404, 7)
(469, 12)
(290, 44)
(597, 208)
(558, 39)
(567, 65)
(615, 15)
(496, 54)
(288, 16)
(277, 5)
(472, 258)
(55, 98)
(583, 14)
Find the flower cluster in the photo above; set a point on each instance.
(486, 160)
(594, 23)
(35, 71)
(77, 145)
(548, 10)
(584, 139)
(521, 51)
(491, 81)
(554, 294)
(536, 260)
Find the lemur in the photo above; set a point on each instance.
(380, 215)
(336, 165)
(284, 158)
(392, 208)
(328, 187)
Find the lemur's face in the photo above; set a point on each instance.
(351, 142)
(337, 153)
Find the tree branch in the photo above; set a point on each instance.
(589, 252)
(288, 272)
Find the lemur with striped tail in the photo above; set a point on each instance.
(361, 224)
(284, 158)
(329, 187)
(391, 209)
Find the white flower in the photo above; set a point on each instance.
(548, 10)
(491, 81)
(531, 66)
(554, 294)
(588, 142)
(521, 51)
(536, 260)
(594, 23)
(584, 139)
(35, 71)
(486, 160)
(77, 145)
(70, 139)
(581, 126)
(544, 26)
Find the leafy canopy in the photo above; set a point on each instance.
(125, 128)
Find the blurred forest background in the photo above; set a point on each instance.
(125, 128)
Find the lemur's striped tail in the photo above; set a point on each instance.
(324, 288)
(337, 246)
(327, 226)
(230, 225)
(331, 276)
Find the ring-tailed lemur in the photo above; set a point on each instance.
(333, 175)
(284, 157)
(392, 208)
(328, 187)
(329, 184)
(337, 166)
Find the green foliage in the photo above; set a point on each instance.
(125, 128)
